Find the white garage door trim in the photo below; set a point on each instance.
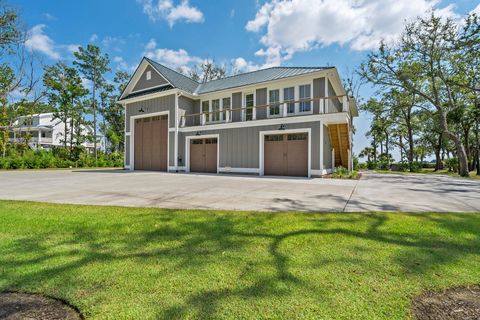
(203, 136)
(132, 135)
(262, 142)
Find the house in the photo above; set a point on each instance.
(43, 131)
(286, 121)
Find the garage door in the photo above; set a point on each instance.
(150, 143)
(203, 155)
(286, 155)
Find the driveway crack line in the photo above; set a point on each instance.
(351, 194)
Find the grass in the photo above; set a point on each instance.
(138, 263)
(473, 174)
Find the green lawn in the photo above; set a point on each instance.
(126, 263)
(473, 174)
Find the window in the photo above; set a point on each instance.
(297, 136)
(226, 103)
(205, 106)
(304, 94)
(249, 103)
(215, 115)
(289, 95)
(149, 75)
(274, 100)
(278, 137)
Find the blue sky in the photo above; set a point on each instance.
(244, 35)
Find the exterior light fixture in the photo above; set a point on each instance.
(282, 126)
(141, 110)
(197, 134)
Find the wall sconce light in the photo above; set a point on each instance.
(197, 134)
(141, 110)
(282, 126)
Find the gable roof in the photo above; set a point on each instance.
(180, 81)
(177, 79)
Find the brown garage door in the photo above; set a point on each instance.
(150, 149)
(203, 155)
(286, 154)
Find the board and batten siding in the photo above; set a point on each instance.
(318, 92)
(239, 147)
(155, 80)
(151, 106)
(261, 99)
(127, 151)
(327, 149)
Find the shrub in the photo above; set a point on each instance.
(362, 166)
(343, 173)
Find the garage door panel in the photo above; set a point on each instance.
(274, 154)
(286, 155)
(203, 155)
(197, 159)
(211, 155)
(150, 143)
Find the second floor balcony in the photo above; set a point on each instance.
(292, 108)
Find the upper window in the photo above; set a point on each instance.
(289, 95)
(215, 116)
(227, 104)
(205, 106)
(274, 100)
(149, 75)
(249, 104)
(304, 94)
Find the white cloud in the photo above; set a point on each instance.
(37, 40)
(476, 10)
(93, 37)
(289, 26)
(166, 9)
(240, 65)
(122, 64)
(171, 58)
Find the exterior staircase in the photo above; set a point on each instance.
(340, 141)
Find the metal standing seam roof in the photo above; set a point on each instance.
(183, 82)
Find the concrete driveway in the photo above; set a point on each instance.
(385, 192)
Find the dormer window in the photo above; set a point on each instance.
(149, 75)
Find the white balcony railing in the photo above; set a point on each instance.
(251, 113)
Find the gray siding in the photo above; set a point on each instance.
(191, 107)
(150, 106)
(127, 150)
(239, 147)
(237, 103)
(143, 83)
(334, 105)
(171, 148)
(261, 99)
(327, 149)
(318, 92)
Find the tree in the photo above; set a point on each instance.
(65, 90)
(10, 32)
(422, 63)
(93, 65)
(205, 71)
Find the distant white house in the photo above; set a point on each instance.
(45, 131)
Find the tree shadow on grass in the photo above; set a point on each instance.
(192, 241)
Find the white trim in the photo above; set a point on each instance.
(187, 149)
(321, 172)
(330, 118)
(127, 167)
(262, 143)
(149, 88)
(321, 144)
(178, 168)
(171, 129)
(127, 133)
(244, 105)
(238, 170)
(132, 134)
(175, 147)
(151, 96)
(136, 76)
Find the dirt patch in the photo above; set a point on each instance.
(452, 304)
(15, 306)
